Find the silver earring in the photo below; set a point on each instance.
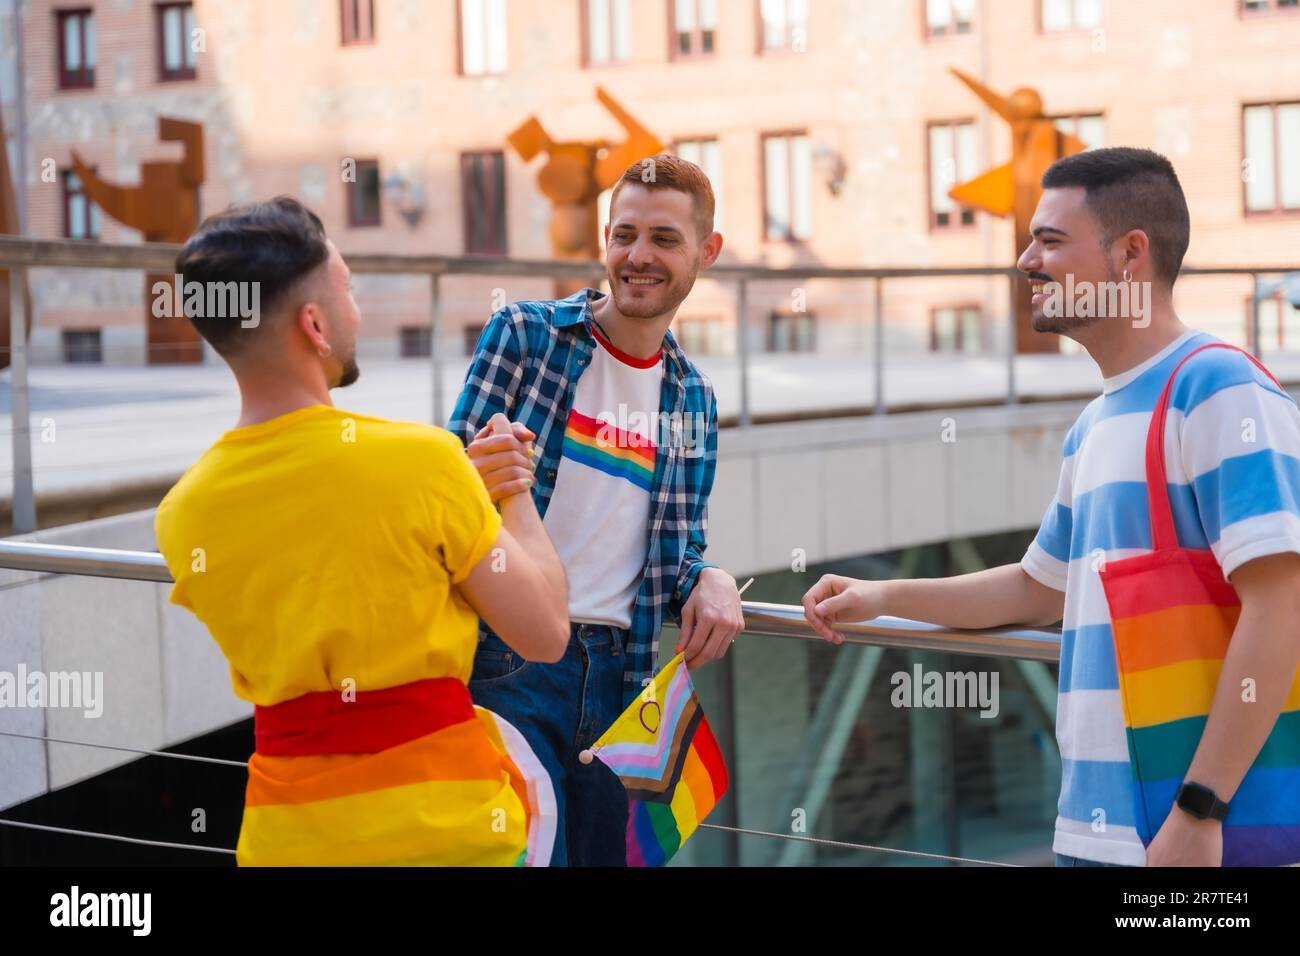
(325, 352)
(1128, 276)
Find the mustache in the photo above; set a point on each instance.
(1038, 277)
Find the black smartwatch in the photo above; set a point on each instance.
(1201, 802)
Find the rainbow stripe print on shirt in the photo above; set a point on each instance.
(608, 448)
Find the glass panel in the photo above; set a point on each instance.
(1259, 172)
(191, 56)
(802, 184)
(1092, 130)
(773, 13)
(945, 330)
(471, 36)
(776, 165)
(622, 31)
(941, 168)
(1056, 14)
(172, 27)
(708, 14)
(711, 156)
(685, 15)
(1087, 13)
(938, 14)
(76, 217)
(71, 43)
(89, 20)
(1288, 151)
(496, 36)
(963, 11)
(971, 333)
(598, 31)
(967, 161)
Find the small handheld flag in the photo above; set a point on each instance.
(662, 749)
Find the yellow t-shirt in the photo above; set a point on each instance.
(323, 545)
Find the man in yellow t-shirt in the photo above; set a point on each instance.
(341, 562)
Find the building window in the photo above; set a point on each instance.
(415, 341)
(176, 57)
(82, 346)
(783, 25)
(76, 30)
(363, 194)
(1058, 15)
(948, 17)
(787, 187)
(703, 335)
(1271, 168)
(706, 154)
(952, 161)
(1279, 325)
(1259, 6)
(1091, 129)
(606, 24)
(791, 332)
(482, 37)
(80, 215)
(957, 328)
(473, 332)
(694, 29)
(357, 22)
(483, 203)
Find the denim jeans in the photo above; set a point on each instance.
(1063, 860)
(561, 709)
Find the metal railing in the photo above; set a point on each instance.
(770, 620)
(19, 254)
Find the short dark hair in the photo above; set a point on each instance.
(273, 243)
(1129, 188)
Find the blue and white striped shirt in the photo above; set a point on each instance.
(1232, 453)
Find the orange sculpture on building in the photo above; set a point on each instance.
(1013, 188)
(165, 208)
(574, 176)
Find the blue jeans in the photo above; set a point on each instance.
(1063, 860)
(561, 709)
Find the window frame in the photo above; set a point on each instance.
(1074, 26)
(1278, 210)
(697, 33)
(957, 308)
(347, 35)
(790, 236)
(160, 16)
(769, 331)
(460, 44)
(932, 215)
(584, 18)
(927, 33)
(65, 176)
(503, 244)
(355, 221)
(1272, 10)
(760, 34)
(84, 78)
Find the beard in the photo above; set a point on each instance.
(651, 304)
(1066, 323)
(350, 372)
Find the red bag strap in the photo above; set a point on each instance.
(1164, 537)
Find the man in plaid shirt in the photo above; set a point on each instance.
(615, 434)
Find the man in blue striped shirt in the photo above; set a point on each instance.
(626, 433)
(1108, 239)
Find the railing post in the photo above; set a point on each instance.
(24, 496)
(435, 357)
(1011, 339)
(742, 348)
(878, 350)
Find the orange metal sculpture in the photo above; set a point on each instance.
(165, 208)
(9, 225)
(574, 176)
(1013, 189)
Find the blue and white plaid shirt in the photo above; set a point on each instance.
(527, 365)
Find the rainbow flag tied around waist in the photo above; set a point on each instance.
(663, 751)
(1172, 617)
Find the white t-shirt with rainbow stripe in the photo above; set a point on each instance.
(599, 513)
